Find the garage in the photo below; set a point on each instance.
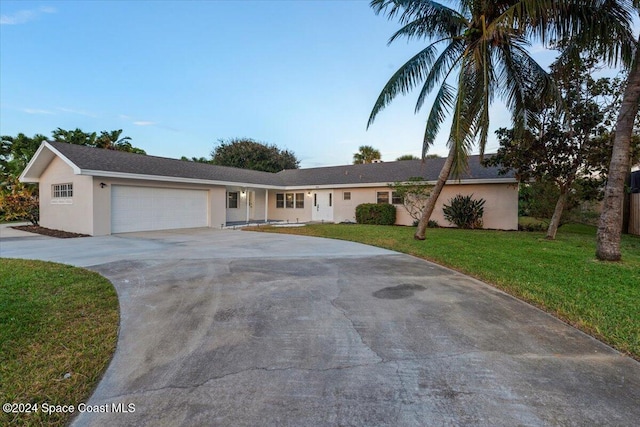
(150, 208)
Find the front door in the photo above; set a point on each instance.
(322, 206)
(252, 205)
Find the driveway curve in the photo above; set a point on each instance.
(250, 329)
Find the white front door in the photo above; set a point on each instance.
(252, 205)
(322, 209)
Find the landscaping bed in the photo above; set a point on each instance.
(48, 231)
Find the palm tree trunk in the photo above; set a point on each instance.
(610, 224)
(435, 193)
(557, 213)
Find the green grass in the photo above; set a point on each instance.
(562, 277)
(54, 320)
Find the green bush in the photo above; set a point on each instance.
(464, 211)
(376, 213)
(532, 226)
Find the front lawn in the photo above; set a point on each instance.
(562, 277)
(58, 331)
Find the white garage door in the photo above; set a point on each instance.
(148, 208)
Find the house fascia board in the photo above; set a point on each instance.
(41, 160)
(386, 184)
(135, 176)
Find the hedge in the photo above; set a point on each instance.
(376, 213)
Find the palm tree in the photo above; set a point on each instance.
(366, 154)
(478, 52)
(113, 141)
(610, 223)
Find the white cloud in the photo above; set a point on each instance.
(79, 112)
(144, 123)
(24, 16)
(36, 111)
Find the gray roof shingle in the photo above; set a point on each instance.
(386, 172)
(96, 159)
(119, 161)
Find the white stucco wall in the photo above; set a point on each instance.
(90, 209)
(75, 216)
(294, 214)
(500, 209)
(255, 210)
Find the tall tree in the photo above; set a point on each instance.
(114, 141)
(557, 149)
(109, 140)
(610, 225)
(407, 157)
(15, 153)
(246, 153)
(76, 136)
(483, 50)
(366, 154)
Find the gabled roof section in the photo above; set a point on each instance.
(388, 172)
(40, 160)
(101, 162)
(109, 163)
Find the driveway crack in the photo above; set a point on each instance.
(354, 327)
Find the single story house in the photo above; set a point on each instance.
(98, 192)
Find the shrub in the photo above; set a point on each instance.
(532, 226)
(20, 203)
(376, 213)
(464, 211)
(433, 224)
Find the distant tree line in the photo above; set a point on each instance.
(246, 153)
(19, 201)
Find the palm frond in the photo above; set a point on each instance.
(525, 85)
(405, 79)
(436, 23)
(441, 69)
(440, 109)
(602, 27)
(409, 10)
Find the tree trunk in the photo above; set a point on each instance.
(610, 224)
(557, 213)
(435, 193)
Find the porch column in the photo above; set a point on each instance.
(266, 205)
(246, 201)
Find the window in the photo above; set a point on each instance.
(396, 198)
(346, 195)
(382, 197)
(62, 191)
(232, 200)
(299, 200)
(279, 200)
(288, 200)
(315, 199)
(330, 199)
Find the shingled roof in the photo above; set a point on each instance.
(96, 159)
(91, 160)
(385, 172)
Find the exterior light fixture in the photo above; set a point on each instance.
(102, 185)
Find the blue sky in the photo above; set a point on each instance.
(178, 76)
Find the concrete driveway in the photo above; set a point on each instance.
(234, 328)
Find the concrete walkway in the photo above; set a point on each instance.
(7, 232)
(233, 328)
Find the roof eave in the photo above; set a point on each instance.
(136, 176)
(386, 184)
(40, 160)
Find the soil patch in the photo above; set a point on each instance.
(49, 232)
